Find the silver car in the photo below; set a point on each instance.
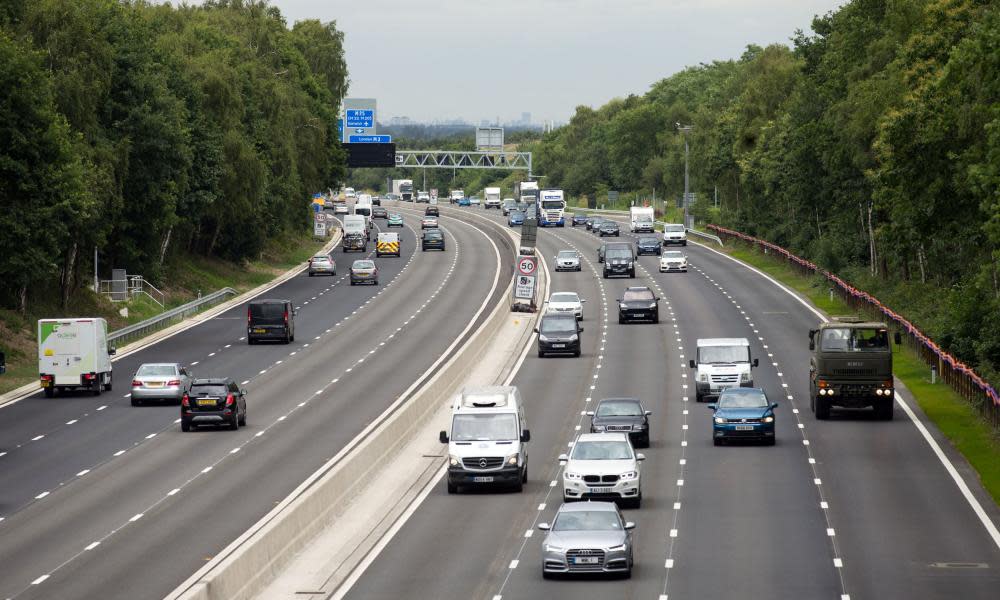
(364, 271)
(568, 260)
(322, 264)
(160, 382)
(589, 537)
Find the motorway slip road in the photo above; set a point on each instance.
(849, 508)
(100, 499)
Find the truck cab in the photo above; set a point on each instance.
(850, 366)
(721, 363)
(487, 443)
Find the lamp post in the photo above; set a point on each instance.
(685, 129)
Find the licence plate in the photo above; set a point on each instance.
(483, 479)
(206, 402)
(585, 560)
(154, 384)
(744, 428)
(601, 490)
(558, 345)
(259, 331)
(46, 383)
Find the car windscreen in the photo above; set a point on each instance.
(723, 354)
(558, 325)
(156, 371)
(617, 253)
(485, 427)
(610, 450)
(673, 228)
(637, 296)
(364, 264)
(564, 297)
(742, 400)
(267, 312)
(619, 408)
(213, 389)
(567, 254)
(649, 242)
(587, 520)
(846, 339)
(673, 254)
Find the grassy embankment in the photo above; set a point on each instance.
(951, 413)
(184, 278)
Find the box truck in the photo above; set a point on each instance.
(641, 219)
(73, 354)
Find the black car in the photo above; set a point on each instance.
(648, 245)
(432, 239)
(579, 219)
(432, 211)
(639, 304)
(609, 228)
(622, 415)
(377, 200)
(558, 333)
(218, 401)
(379, 213)
(619, 260)
(270, 320)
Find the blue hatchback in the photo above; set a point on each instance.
(743, 414)
(515, 218)
(464, 201)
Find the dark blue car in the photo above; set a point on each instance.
(743, 414)
(579, 219)
(515, 218)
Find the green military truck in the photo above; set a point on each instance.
(851, 367)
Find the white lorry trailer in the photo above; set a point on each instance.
(527, 192)
(641, 219)
(403, 189)
(73, 354)
(491, 198)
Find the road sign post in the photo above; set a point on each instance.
(524, 284)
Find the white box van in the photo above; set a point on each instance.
(488, 440)
(641, 219)
(74, 354)
(722, 363)
(355, 233)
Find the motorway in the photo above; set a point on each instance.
(99, 499)
(849, 508)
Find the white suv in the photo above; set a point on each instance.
(602, 466)
(674, 233)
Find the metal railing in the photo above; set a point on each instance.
(130, 287)
(144, 328)
(961, 377)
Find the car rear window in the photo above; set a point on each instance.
(631, 295)
(432, 235)
(364, 264)
(267, 310)
(209, 389)
(157, 370)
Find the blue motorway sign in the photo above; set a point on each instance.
(369, 139)
(340, 129)
(360, 118)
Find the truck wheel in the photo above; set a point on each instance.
(883, 410)
(822, 408)
(50, 392)
(107, 386)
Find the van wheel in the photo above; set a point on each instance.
(518, 486)
(452, 488)
(50, 392)
(541, 354)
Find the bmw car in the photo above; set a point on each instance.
(602, 466)
(743, 414)
(590, 537)
(568, 260)
(647, 245)
(638, 304)
(625, 415)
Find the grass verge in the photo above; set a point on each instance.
(183, 280)
(951, 413)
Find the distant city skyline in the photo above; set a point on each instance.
(454, 59)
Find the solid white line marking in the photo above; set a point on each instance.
(206, 469)
(150, 436)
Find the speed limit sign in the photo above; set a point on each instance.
(526, 265)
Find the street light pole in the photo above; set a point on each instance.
(685, 129)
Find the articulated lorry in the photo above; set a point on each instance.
(403, 188)
(551, 209)
(851, 366)
(527, 192)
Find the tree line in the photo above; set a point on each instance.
(870, 145)
(150, 131)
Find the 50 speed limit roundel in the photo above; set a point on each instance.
(526, 265)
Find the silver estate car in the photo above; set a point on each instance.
(587, 537)
(160, 382)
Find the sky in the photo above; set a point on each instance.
(489, 59)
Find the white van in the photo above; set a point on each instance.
(641, 219)
(674, 233)
(74, 354)
(488, 440)
(722, 363)
(355, 233)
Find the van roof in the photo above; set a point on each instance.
(723, 342)
(488, 397)
(269, 301)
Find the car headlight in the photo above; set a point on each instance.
(768, 420)
(454, 460)
(512, 460)
(572, 475)
(744, 377)
(542, 338)
(574, 337)
(629, 476)
(652, 305)
(618, 548)
(597, 428)
(719, 420)
(703, 377)
(552, 548)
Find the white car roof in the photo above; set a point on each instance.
(602, 437)
(723, 342)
